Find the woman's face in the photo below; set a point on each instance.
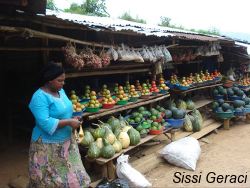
(57, 83)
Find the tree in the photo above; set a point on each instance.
(165, 21)
(128, 17)
(90, 7)
(51, 5)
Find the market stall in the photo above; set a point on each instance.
(154, 81)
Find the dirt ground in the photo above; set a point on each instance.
(226, 153)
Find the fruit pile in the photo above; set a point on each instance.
(77, 106)
(93, 103)
(162, 85)
(86, 94)
(107, 98)
(154, 88)
(121, 95)
(132, 92)
(145, 90)
(127, 87)
(138, 85)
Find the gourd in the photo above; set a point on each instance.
(196, 124)
(126, 128)
(114, 123)
(124, 139)
(99, 142)
(190, 105)
(104, 124)
(187, 124)
(108, 150)
(98, 132)
(134, 136)
(87, 139)
(109, 136)
(94, 151)
(117, 146)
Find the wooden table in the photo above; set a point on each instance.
(107, 165)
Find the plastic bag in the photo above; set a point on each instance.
(127, 172)
(183, 153)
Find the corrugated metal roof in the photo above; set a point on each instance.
(244, 44)
(114, 24)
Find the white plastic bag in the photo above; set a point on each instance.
(127, 172)
(183, 153)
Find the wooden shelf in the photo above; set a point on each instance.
(117, 68)
(201, 103)
(102, 161)
(119, 108)
(189, 62)
(197, 88)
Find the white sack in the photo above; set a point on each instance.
(127, 172)
(183, 153)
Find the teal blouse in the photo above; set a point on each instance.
(48, 110)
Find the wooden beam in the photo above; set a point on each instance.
(201, 103)
(119, 108)
(105, 72)
(29, 33)
(29, 49)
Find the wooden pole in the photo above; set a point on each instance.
(226, 124)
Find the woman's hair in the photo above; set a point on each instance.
(49, 72)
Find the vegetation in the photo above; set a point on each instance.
(90, 7)
(165, 22)
(128, 17)
(51, 5)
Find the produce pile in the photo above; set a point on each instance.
(238, 104)
(108, 138)
(198, 79)
(120, 95)
(90, 58)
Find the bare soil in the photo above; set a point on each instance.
(225, 153)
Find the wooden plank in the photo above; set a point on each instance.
(29, 49)
(182, 134)
(106, 72)
(197, 88)
(206, 130)
(119, 108)
(39, 34)
(201, 103)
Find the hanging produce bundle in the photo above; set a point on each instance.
(72, 58)
(91, 59)
(105, 58)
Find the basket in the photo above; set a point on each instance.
(232, 98)
(155, 93)
(242, 113)
(182, 88)
(77, 114)
(84, 101)
(175, 123)
(122, 102)
(107, 106)
(155, 132)
(170, 85)
(243, 87)
(133, 99)
(217, 97)
(89, 109)
(247, 110)
(163, 91)
(224, 115)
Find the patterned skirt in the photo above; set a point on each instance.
(56, 165)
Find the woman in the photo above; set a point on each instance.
(54, 159)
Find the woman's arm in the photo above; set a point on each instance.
(74, 123)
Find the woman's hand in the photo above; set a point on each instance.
(75, 123)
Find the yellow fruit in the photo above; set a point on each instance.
(73, 96)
